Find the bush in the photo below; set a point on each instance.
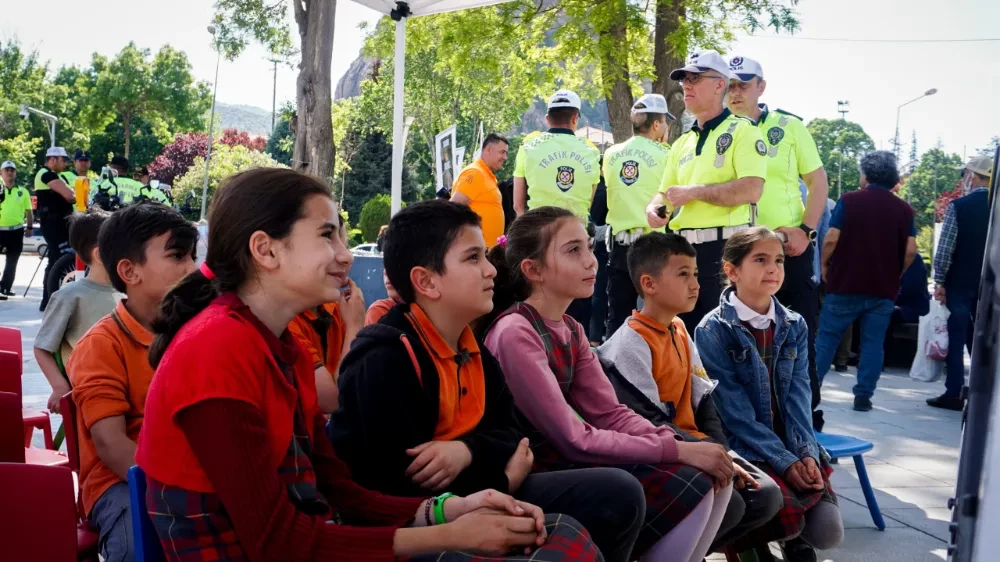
(233, 137)
(226, 161)
(925, 244)
(374, 214)
(178, 156)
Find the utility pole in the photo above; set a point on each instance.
(843, 107)
(274, 96)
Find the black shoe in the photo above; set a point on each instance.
(862, 404)
(947, 403)
(3, 297)
(797, 550)
(840, 368)
(8, 293)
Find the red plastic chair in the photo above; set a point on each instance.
(40, 521)
(10, 340)
(87, 535)
(10, 434)
(10, 381)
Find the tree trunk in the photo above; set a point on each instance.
(615, 74)
(314, 151)
(669, 14)
(127, 119)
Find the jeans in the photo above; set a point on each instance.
(113, 519)
(622, 296)
(12, 242)
(839, 312)
(608, 502)
(962, 306)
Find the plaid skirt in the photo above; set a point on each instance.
(672, 491)
(791, 518)
(567, 540)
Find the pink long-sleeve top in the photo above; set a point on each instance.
(609, 433)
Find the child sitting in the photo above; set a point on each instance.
(327, 331)
(146, 248)
(232, 445)
(424, 406)
(655, 369)
(758, 350)
(568, 405)
(75, 307)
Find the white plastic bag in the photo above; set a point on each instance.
(936, 346)
(924, 368)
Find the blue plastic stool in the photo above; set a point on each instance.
(144, 538)
(840, 446)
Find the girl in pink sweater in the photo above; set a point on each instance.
(567, 404)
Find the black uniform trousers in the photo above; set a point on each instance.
(622, 296)
(800, 293)
(710, 278)
(12, 242)
(55, 231)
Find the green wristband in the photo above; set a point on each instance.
(439, 508)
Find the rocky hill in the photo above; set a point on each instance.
(253, 120)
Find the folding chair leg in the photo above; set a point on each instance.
(47, 434)
(866, 487)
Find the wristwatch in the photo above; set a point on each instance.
(810, 233)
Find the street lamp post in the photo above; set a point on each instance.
(930, 92)
(25, 110)
(274, 95)
(843, 107)
(211, 123)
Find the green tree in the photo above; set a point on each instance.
(370, 174)
(21, 151)
(374, 214)
(990, 148)
(913, 153)
(841, 143)
(281, 142)
(937, 172)
(226, 161)
(147, 142)
(160, 89)
(263, 21)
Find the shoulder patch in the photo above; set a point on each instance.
(783, 112)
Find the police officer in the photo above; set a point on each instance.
(55, 204)
(119, 185)
(15, 211)
(557, 167)
(633, 171)
(791, 156)
(147, 191)
(713, 177)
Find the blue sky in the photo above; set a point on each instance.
(804, 77)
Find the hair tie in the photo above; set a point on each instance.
(502, 241)
(206, 271)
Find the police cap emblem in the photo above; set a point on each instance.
(630, 172)
(774, 135)
(736, 62)
(565, 176)
(723, 144)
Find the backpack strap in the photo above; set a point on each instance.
(413, 358)
(562, 358)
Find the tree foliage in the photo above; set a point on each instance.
(178, 156)
(370, 173)
(991, 148)
(232, 137)
(841, 143)
(374, 214)
(226, 161)
(281, 142)
(937, 172)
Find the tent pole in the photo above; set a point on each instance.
(399, 73)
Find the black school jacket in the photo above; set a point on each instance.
(385, 410)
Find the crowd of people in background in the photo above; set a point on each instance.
(487, 407)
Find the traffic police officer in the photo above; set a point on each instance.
(791, 156)
(15, 211)
(557, 168)
(714, 176)
(121, 186)
(55, 204)
(633, 171)
(147, 191)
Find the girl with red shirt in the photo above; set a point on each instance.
(237, 464)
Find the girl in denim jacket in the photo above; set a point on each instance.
(758, 352)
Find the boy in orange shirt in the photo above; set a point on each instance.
(381, 307)
(655, 369)
(147, 248)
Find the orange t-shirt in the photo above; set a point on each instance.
(224, 352)
(378, 309)
(301, 327)
(479, 184)
(110, 373)
(461, 388)
(670, 348)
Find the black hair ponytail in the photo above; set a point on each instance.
(182, 303)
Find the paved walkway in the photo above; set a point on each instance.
(913, 466)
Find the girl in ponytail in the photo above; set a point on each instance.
(567, 404)
(237, 464)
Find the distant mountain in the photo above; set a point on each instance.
(253, 120)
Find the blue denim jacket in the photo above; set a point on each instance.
(743, 397)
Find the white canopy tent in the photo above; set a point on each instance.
(400, 11)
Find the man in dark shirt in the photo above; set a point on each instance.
(870, 243)
(957, 271)
(55, 204)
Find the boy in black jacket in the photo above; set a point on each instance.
(425, 407)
